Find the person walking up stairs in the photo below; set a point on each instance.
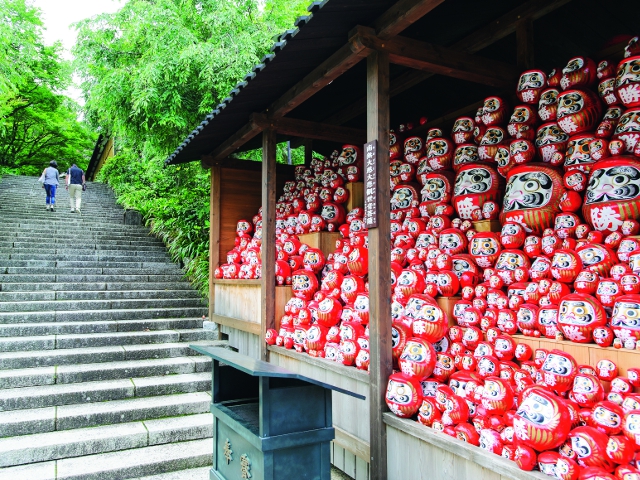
(96, 377)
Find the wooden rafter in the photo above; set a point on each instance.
(402, 15)
(440, 60)
(478, 40)
(312, 130)
(234, 142)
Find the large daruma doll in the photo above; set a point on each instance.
(613, 193)
(475, 184)
(532, 197)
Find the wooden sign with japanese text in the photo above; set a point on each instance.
(370, 184)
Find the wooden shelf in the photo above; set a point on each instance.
(238, 324)
(325, 241)
(587, 353)
(444, 456)
(239, 281)
(343, 370)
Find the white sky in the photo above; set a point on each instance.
(58, 15)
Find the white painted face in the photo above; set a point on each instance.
(536, 409)
(576, 312)
(528, 190)
(434, 190)
(557, 364)
(400, 393)
(582, 384)
(473, 181)
(509, 261)
(626, 315)
(414, 352)
(613, 184)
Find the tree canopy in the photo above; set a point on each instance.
(150, 72)
(37, 122)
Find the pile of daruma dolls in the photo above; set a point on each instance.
(562, 175)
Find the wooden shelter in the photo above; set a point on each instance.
(345, 74)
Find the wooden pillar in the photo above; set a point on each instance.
(308, 151)
(214, 234)
(268, 252)
(524, 38)
(379, 262)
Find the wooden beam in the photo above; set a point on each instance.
(214, 235)
(524, 39)
(312, 130)
(308, 151)
(441, 60)
(242, 325)
(268, 247)
(402, 15)
(381, 364)
(320, 77)
(480, 39)
(230, 145)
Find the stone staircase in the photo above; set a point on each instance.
(96, 377)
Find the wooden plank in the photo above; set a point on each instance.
(214, 233)
(283, 295)
(313, 130)
(325, 73)
(438, 446)
(524, 39)
(356, 195)
(402, 15)
(242, 325)
(349, 464)
(380, 265)
(238, 301)
(441, 60)
(230, 281)
(352, 443)
(322, 365)
(325, 241)
(240, 198)
(362, 469)
(268, 247)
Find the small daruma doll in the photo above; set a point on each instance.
(404, 395)
(625, 319)
(613, 193)
(532, 196)
(485, 249)
(579, 315)
(474, 185)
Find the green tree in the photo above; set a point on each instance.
(37, 123)
(150, 72)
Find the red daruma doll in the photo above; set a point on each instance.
(532, 197)
(474, 185)
(404, 395)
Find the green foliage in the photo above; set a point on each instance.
(37, 124)
(150, 72)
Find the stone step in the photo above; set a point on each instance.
(62, 328)
(22, 296)
(99, 304)
(56, 342)
(68, 417)
(86, 355)
(89, 315)
(190, 474)
(51, 278)
(93, 372)
(90, 256)
(100, 391)
(93, 286)
(134, 463)
(147, 269)
(43, 447)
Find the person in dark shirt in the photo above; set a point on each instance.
(75, 182)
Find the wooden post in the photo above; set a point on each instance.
(214, 236)
(524, 38)
(379, 262)
(268, 252)
(308, 151)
